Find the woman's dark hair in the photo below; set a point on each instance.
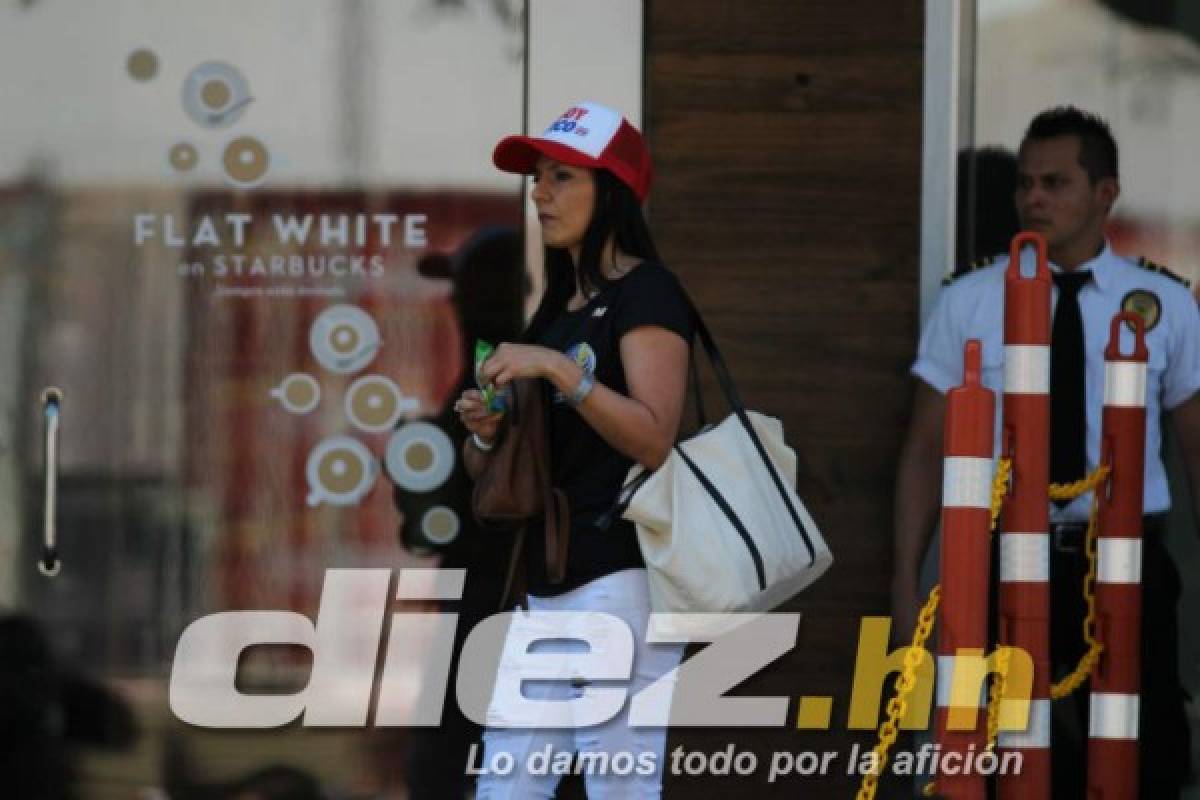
(617, 213)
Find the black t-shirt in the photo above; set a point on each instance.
(585, 466)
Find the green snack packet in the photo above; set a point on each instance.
(495, 400)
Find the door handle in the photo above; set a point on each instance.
(49, 564)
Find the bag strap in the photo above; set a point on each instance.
(725, 379)
(709, 344)
(514, 576)
(514, 405)
(694, 378)
(699, 331)
(735, 402)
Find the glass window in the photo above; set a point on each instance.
(252, 245)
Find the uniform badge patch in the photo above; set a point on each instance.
(1145, 304)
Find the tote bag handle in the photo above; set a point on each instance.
(725, 379)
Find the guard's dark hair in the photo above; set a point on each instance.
(617, 213)
(1097, 147)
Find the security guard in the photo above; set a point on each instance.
(1067, 185)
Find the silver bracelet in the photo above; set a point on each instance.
(481, 445)
(582, 389)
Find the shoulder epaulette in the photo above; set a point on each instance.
(967, 269)
(1146, 263)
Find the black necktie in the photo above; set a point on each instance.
(1068, 405)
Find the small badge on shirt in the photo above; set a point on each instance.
(1145, 304)
(599, 312)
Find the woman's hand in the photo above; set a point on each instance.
(475, 415)
(512, 361)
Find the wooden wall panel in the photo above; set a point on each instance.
(787, 142)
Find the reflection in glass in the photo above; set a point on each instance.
(180, 208)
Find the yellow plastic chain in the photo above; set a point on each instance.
(1087, 661)
(1000, 488)
(897, 706)
(999, 687)
(1069, 491)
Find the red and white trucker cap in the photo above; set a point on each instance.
(585, 135)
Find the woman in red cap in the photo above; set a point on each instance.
(611, 336)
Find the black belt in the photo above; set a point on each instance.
(1069, 537)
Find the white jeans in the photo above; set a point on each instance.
(624, 595)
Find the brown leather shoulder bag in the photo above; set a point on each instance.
(514, 487)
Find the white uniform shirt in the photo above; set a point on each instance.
(972, 307)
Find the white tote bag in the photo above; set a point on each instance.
(719, 523)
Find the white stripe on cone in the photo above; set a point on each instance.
(945, 682)
(967, 482)
(1113, 716)
(1125, 384)
(1118, 560)
(1024, 557)
(1026, 369)
(1036, 735)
